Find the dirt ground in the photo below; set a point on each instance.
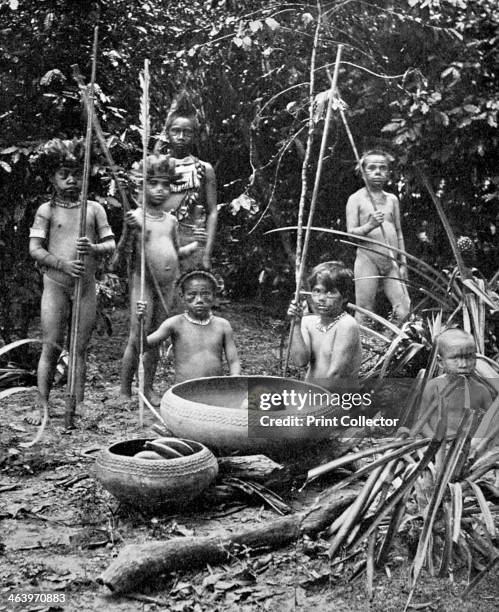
(60, 528)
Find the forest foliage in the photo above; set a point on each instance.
(418, 77)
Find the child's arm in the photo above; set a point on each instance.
(346, 343)
(162, 333)
(353, 218)
(74, 268)
(300, 342)
(400, 238)
(100, 249)
(188, 249)
(211, 221)
(105, 243)
(231, 352)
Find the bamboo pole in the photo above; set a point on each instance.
(314, 200)
(76, 311)
(145, 140)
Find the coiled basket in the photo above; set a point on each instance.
(152, 485)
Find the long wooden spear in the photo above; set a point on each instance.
(76, 312)
(313, 200)
(145, 125)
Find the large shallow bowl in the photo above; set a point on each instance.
(215, 411)
(152, 485)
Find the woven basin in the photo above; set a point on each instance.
(213, 411)
(152, 485)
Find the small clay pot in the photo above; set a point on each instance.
(152, 485)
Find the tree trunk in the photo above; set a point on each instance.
(138, 563)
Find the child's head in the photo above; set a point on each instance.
(160, 173)
(456, 351)
(182, 125)
(332, 287)
(198, 289)
(61, 161)
(375, 166)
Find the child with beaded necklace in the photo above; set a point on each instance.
(200, 339)
(328, 341)
(193, 197)
(55, 245)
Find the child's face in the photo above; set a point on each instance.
(157, 191)
(67, 181)
(376, 170)
(458, 357)
(327, 303)
(199, 297)
(181, 135)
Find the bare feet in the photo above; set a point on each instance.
(34, 417)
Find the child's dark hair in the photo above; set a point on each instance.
(56, 153)
(157, 166)
(197, 273)
(388, 156)
(452, 333)
(334, 275)
(182, 106)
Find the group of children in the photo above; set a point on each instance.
(181, 214)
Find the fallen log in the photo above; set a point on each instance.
(251, 467)
(137, 564)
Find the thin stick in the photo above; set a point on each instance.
(314, 200)
(75, 316)
(145, 140)
(308, 148)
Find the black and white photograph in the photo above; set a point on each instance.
(249, 305)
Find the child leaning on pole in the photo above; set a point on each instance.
(329, 340)
(55, 245)
(200, 339)
(162, 253)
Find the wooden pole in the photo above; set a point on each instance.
(76, 311)
(145, 141)
(314, 200)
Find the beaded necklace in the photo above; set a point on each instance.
(325, 328)
(198, 321)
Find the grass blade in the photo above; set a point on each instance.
(488, 519)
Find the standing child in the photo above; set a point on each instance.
(373, 261)
(457, 356)
(162, 256)
(328, 341)
(193, 197)
(200, 339)
(55, 245)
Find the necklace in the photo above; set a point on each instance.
(325, 328)
(156, 217)
(66, 203)
(198, 321)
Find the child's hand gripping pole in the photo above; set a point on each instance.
(313, 202)
(144, 122)
(75, 315)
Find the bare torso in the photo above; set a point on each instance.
(160, 246)
(385, 203)
(321, 349)
(198, 349)
(64, 228)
